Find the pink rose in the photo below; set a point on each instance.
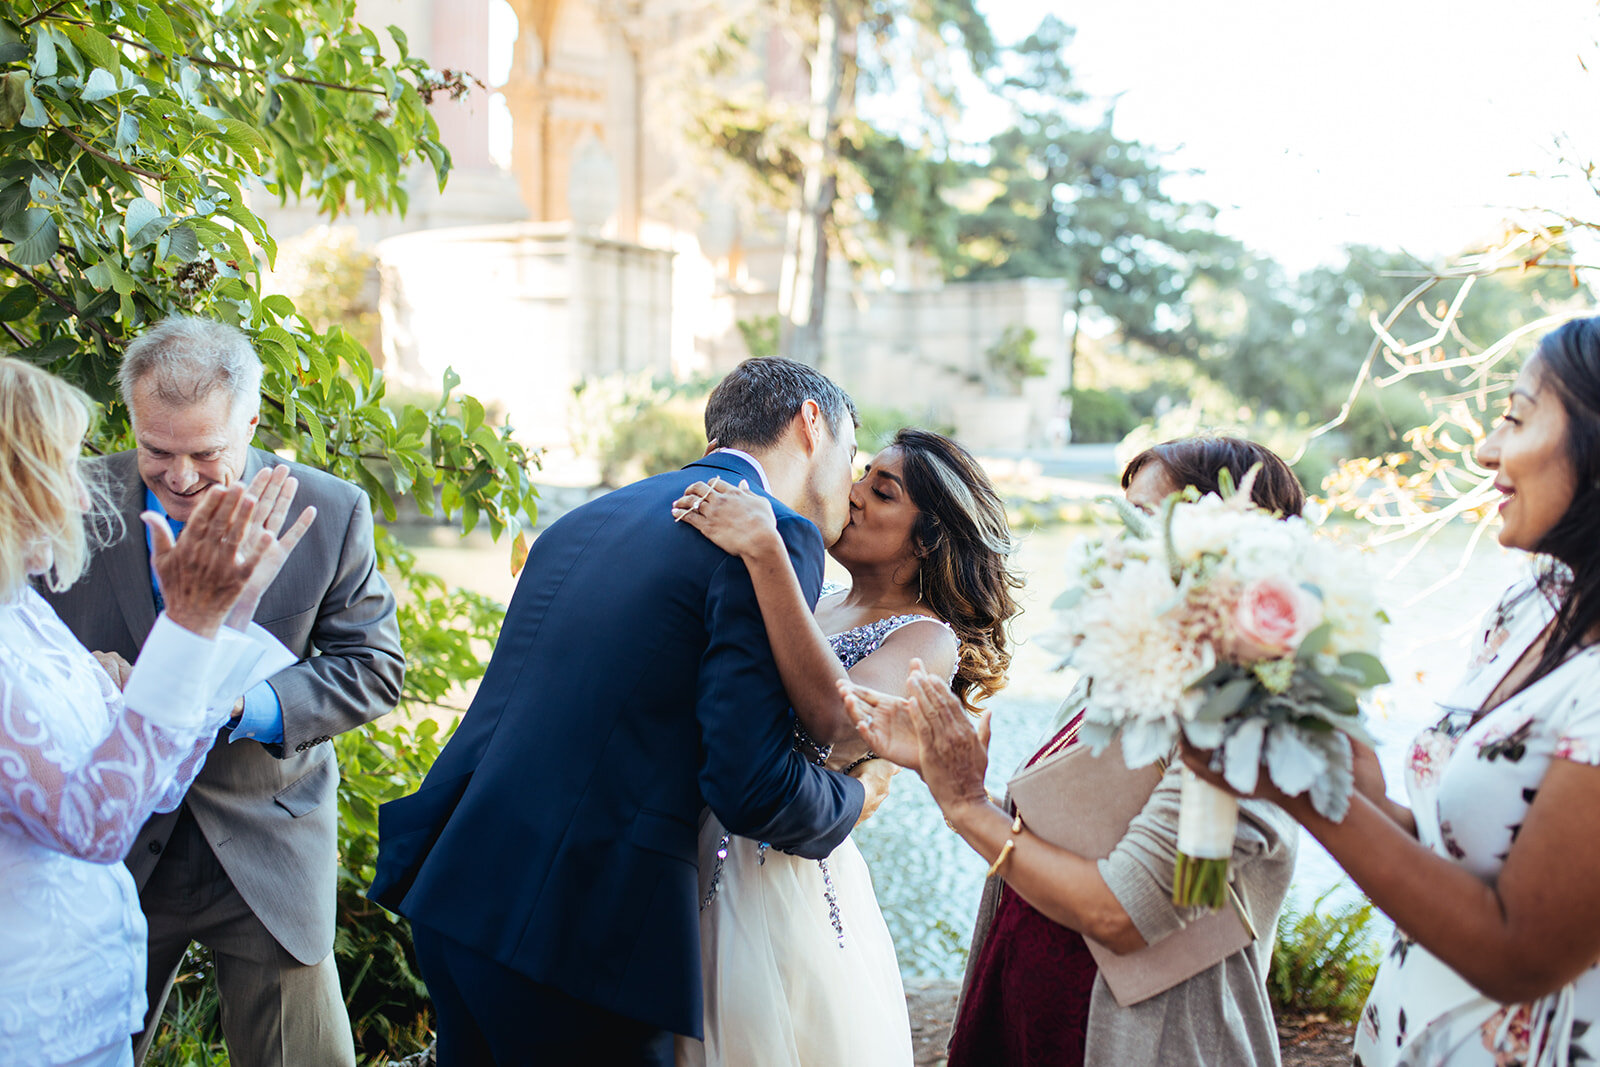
(1271, 619)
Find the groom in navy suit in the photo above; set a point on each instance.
(548, 863)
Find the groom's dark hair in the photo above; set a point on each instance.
(755, 403)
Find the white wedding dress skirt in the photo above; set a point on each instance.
(783, 986)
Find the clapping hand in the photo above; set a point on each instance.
(954, 755)
(884, 723)
(274, 489)
(227, 550)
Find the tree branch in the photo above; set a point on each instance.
(60, 301)
(22, 342)
(46, 13)
(218, 64)
(93, 151)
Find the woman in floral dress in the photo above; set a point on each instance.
(1492, 876)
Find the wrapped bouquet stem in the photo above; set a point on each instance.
(1237, 631)
(1208, 818)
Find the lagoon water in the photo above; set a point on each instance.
(928, 880)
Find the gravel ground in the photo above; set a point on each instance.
(1313, 1042)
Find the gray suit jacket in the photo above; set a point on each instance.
(268, 811)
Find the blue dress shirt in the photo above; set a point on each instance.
(262, 717)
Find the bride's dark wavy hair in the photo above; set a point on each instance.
(1568, 362)
(964, 544)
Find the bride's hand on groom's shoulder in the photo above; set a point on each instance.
(733, 518)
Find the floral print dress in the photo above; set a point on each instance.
(1470, 786)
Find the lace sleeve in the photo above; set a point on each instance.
(89, 807)
(81, 769)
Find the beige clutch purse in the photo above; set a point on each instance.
(1084, 803)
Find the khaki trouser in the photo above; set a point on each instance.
(276, 1011)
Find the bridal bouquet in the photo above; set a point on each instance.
(1245, 633)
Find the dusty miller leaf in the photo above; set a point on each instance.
(1241, 754)
(1293, 761)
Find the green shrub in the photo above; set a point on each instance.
(880, 424)
(760, 335)
(1012, 359)
(634, 427)
(1378, 418)
(1324, 959)
(656, 438)
(1101, 417)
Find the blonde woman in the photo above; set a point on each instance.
(89, 746)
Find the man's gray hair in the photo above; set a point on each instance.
(184, 358)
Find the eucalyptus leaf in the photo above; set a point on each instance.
(1314, 642)
(1065, 602)
(1227, 699)
(1368, 666)
(1334, 696)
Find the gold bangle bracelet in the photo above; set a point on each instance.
(1007, 848)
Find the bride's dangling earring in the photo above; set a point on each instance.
(919, 585)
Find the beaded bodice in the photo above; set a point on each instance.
(856, 644)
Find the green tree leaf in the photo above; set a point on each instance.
(34, 236)
(100, 84)
(158, 31)
(13, 97)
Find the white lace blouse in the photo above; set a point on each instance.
(81, 768)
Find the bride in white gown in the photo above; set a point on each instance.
(798, 966)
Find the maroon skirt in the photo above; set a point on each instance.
(1027, 1003)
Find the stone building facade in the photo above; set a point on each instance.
(605, 250)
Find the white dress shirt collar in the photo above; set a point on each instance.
(754, 462)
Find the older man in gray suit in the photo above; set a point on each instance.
(246, 866)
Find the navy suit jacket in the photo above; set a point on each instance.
(632, 685)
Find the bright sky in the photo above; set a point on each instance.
(1387, 122)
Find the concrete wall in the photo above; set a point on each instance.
(523, 312)
(924, 352)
